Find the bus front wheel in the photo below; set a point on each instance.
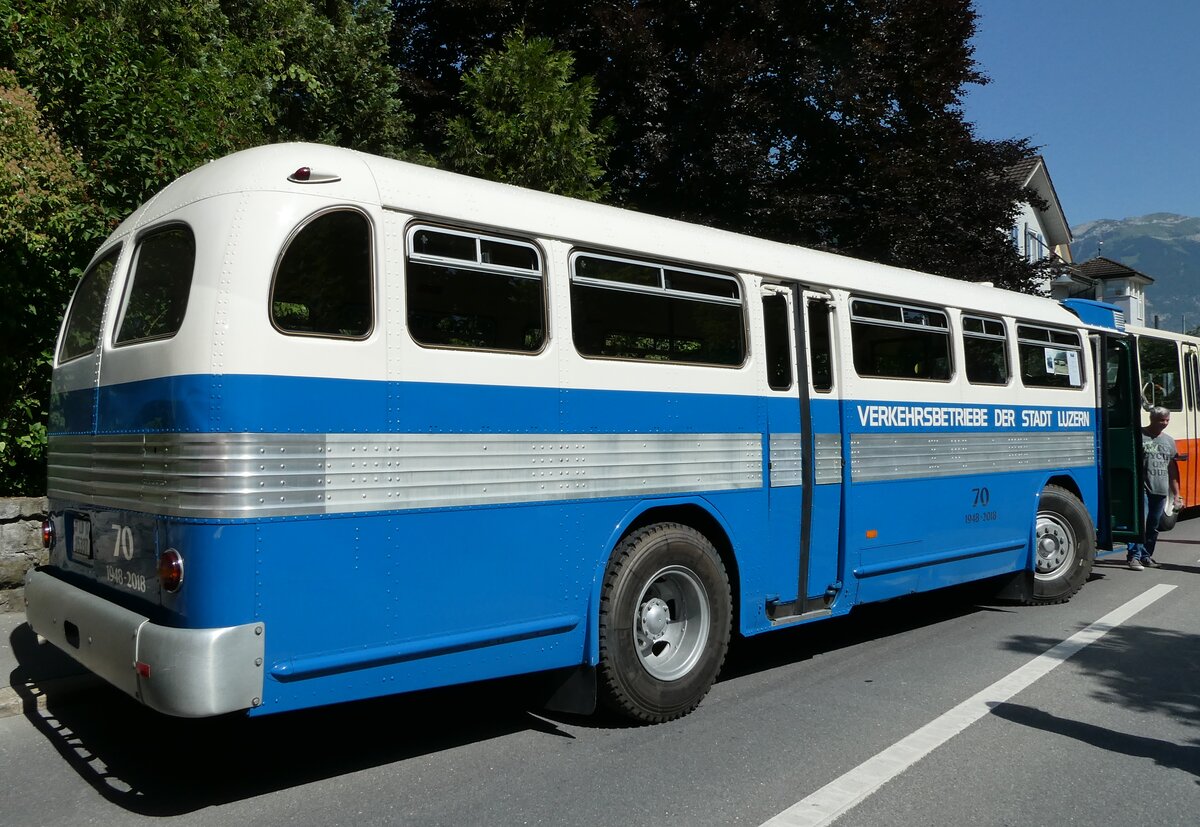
(665, 618)
(1065, 546)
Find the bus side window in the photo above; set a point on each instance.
(900, 341)
(82, 331)
(323, 284)
(1049, 358)
(156, 298)
(1159, 360)
(778, 343)
(467, 290)
(629, 309)
(820, 345)
(985, 348)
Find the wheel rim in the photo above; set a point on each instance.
(670, 623)
(1056, 545)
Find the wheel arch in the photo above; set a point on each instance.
(694, 512)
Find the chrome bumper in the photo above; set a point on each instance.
(191, 673)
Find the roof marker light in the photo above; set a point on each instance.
(308, 175)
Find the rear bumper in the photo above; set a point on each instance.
(192, 673)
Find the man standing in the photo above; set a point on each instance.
(1161, 480)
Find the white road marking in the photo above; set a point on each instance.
(844, 793)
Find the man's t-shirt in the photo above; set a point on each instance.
(1159, 452)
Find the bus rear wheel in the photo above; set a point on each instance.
(665, 619)
(1065, 546)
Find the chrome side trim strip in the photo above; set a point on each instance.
(229, 476)
(785, 455)
(878, 457)
(828, 459)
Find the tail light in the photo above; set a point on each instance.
(170, 570)
(47, 533)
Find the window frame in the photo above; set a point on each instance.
(661, 290)
(540, 275)
(115, 252)
(372, 254)
(1001, 337)
(1050, 331)
(947, 330)
(131, 280)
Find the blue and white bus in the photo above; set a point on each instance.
(327, 426)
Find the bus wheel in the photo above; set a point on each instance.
(1065, 545)
(665, 617)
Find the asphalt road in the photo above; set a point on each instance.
(1107, 736)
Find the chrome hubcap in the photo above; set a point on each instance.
(671, 619)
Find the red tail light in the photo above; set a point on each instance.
(47, 533)
(170, 570)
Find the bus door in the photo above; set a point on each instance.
(1121, 471)
(804, 447)
(1189, 465)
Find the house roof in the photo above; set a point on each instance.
(1032, 173)
(1104, 269)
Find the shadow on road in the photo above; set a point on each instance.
(156, 765)
(1163, 753)
(1140, 668)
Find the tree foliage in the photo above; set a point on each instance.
(47, 223)
(830, 123)
(140, 92)
(527, 122)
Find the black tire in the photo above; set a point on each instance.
(1065, 547)
(665, 618)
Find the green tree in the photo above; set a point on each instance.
(149, 89)
(528, 123)
(835, 124)
(140, 92)
(47, 222)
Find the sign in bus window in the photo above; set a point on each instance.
(1049, 358)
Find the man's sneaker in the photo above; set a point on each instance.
(1151, 562)
(1136, 565)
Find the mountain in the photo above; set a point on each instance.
(1165, 247)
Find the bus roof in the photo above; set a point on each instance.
(453, 198)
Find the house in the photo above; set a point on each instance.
(1040, 233)
(1106, 280)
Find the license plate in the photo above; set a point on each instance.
(81, 539)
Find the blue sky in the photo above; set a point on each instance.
(1110, 90)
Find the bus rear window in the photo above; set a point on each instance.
(324, 285)
(157, 296)
(82, 330)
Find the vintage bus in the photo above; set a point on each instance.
(327, 426)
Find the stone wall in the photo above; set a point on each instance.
(20, 547)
